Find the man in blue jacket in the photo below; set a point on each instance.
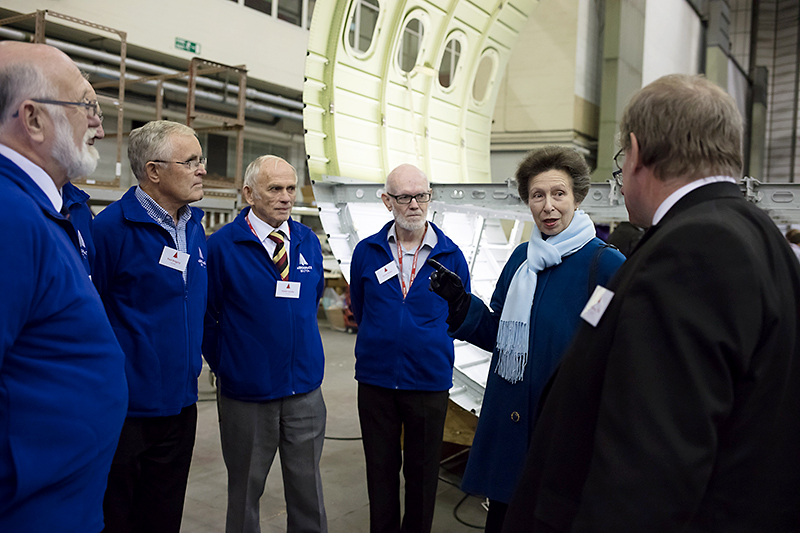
(263, 343)
(404, 356)
(150, 271)
(62, 381)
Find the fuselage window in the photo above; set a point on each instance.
(447, 70)
(484, 77)
(410, 44)
(363, 21)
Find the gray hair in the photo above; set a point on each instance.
(153, 141)
(254, 169)
(18, 82)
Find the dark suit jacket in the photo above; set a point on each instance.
(680, 411)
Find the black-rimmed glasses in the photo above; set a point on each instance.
(619, 161)
(91, 106)
(403, 199)
(193, 164)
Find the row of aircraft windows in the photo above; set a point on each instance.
(362, 28)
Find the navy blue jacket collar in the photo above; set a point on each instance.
(132, 209)
(380, 239)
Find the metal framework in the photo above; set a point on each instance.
(39, 18)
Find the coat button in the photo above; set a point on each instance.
(515, 416)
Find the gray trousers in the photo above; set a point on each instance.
(251, 433)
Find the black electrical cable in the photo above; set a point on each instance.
(342, 438)
(455, 514)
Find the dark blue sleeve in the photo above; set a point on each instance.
(214, 307)
(481, 324)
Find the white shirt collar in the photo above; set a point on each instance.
(430, 240)
(37, 174)
(673, 198)
(263, 229)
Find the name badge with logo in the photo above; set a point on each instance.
(597, 305)
(387, 271)
(287, 289)
(174, 259)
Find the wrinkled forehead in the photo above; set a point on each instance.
(277, 172)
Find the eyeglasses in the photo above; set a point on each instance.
(403, 199)
(91, 106)
(193, 164)
(619, 161)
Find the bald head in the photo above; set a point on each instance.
(404, 174)
(55, 136)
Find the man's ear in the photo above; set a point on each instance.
(387, 201)
(33, 121)
(634, 153)
(247, 193)
(153, 172)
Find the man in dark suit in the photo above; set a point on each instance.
(679, 407)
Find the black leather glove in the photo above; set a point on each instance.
(448, 285)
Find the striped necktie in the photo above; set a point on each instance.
(279, 257)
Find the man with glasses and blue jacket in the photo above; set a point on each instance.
(62, 380)
(150, 271)
(404, 356)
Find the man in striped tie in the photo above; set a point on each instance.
(263, 343)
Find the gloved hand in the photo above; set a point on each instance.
(448, 285)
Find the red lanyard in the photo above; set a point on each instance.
(247, 218)
(413, 263)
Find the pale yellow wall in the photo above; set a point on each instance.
(229, 33)
(538, 91)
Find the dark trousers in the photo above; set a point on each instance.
(495, 516)
(384, 414)
(147, 482)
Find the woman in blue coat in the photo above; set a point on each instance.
(535, 310)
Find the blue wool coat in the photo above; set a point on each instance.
(402, 343)
(62, 380)
(158, 319)
(509, 410)
(262, 347)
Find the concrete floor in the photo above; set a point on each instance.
(343, 472)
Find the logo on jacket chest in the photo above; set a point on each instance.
(200, 258)
(303, 266)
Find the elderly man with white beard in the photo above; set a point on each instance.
(404, 356)
(62, 383)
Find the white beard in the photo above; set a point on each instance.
(77, 162)
(407, 224)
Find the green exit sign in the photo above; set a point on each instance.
(189, 46)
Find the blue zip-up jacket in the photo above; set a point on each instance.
(62, 379)
(157, 318)
(262, 347)
(80, 214)
(402, 343)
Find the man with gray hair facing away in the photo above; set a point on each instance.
(62, 380)
(265, 280)
(150, 271)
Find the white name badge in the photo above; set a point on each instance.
(174, 259)
(387, 271)
(597, 305)
(287, 289)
